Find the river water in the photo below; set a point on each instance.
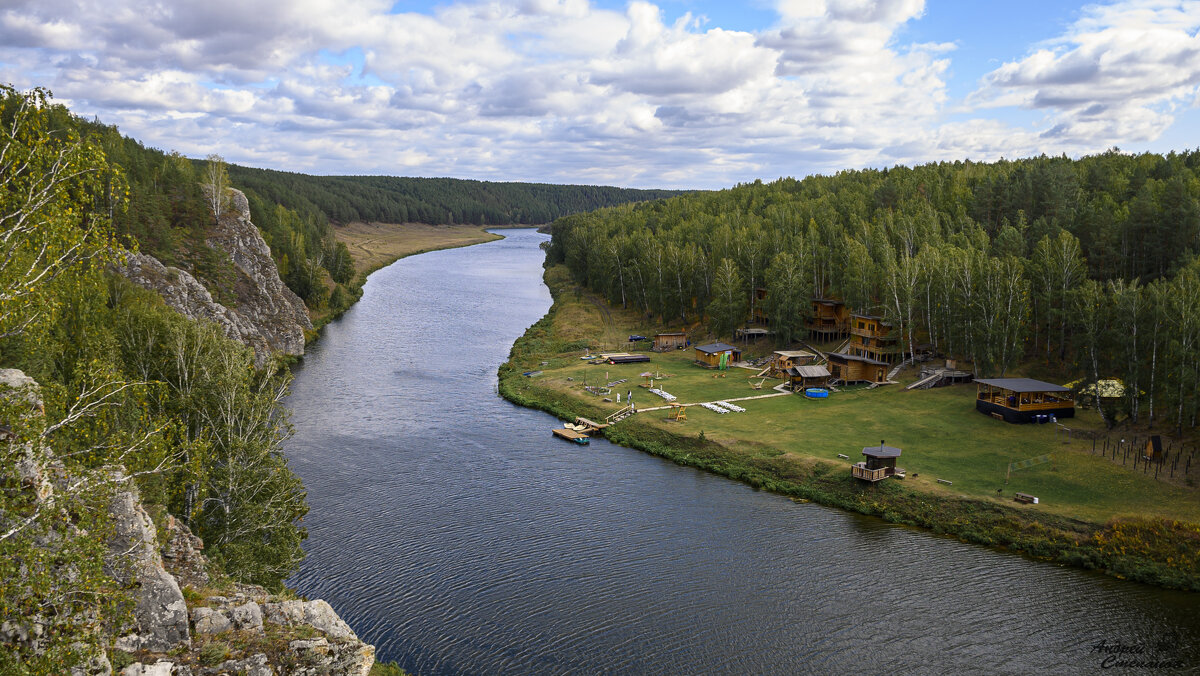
(454, 533)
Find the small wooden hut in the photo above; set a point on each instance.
(871, 336)
(851, 368)
(830, 319)
(710, 355)
(1023, 400)
(879, 465)
(782, 360)
(670, 341)
(805, 376)
(1154, 448)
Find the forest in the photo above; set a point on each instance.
(437, 201)
(1081, 268)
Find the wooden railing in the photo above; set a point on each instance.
(859, 471)
(868, 333)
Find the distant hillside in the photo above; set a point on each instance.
(390, 199)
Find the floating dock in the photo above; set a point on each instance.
(571, 435)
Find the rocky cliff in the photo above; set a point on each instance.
(267, 316)
(184, 621)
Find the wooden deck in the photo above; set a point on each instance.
(571, 435)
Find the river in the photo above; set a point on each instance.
(454, 533)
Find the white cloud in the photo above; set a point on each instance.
(561, 90)
(1114, 78)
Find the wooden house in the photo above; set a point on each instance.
(879, 465)
(805, 376)
(851, 368)
(830, 320)
(710, 355)
(1022, 400)
(782, 360)
(872, 337)
(670, 341)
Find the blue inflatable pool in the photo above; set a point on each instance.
(816, 393)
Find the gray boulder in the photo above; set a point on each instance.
(317, 614)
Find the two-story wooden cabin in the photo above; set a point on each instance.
(879, 465)
(830, 320)
(669, 341)
(851, 368)
(1021, 400)
(872, 337)
(710, 355)
(782, 360)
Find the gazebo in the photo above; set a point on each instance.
(879, 465)
(1023, 400)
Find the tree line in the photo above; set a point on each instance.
(1088, 266)
(436, 201)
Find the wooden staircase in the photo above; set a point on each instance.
(619, 415)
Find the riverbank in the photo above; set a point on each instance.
(376, 245)
(1099, 515)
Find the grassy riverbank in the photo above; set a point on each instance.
(1094, 513)
(376, 245)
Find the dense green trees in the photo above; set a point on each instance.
(437, 201)
(1087, 265)
(123, 381)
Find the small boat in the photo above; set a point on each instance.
(571, 435)
(530, 374)
(816, 393)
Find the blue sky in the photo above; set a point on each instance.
(673, 93)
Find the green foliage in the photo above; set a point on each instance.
(214, 653)
(437, 201)
(978, 261)
(124, 381)
(387, 669)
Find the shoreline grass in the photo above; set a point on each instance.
(1099, 515)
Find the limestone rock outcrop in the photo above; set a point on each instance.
(160, 613)
(267, 316)
(262, 298)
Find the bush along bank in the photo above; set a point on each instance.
(1155, 551)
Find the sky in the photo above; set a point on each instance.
(663, 94)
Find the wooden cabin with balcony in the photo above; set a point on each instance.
(830, 320)
(670, 341)
(1023, 400)
(710, 355)
(871, 336)
(879, 465)
(782, 360)
(851, 368)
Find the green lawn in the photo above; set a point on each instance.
(939, 430)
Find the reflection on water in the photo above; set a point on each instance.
(452, 531)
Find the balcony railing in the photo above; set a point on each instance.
(868, 333)
(860, 471)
